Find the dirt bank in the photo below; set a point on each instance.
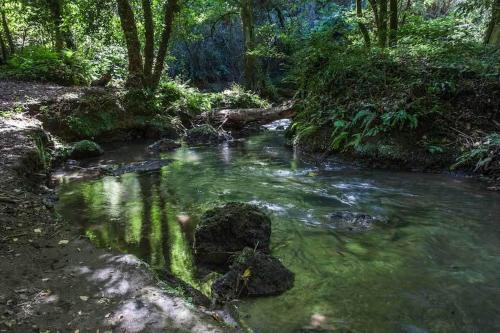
(55, 280)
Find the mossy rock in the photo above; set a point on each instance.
(226, 230)
(85, 149)
(203, 134)
(251, 274)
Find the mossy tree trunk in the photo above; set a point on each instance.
(251, 65)
(170, 10)
(493, 32)
(379, 8)
(382, 28)
(361, 25)
(4, 55)
(141, 74)
(7, 33)
(393, 23)
(55, 8)
(135, 66)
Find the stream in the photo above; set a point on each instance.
(434, 268)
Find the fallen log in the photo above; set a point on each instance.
(239, 118)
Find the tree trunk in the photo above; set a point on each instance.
(56, 12)
(238, 118)
(493, 32)
(7, 33)
(361, 25)
(149, 37)
(393, 23)
(3, 49)
(382, 27)
(171, 8)
(251, 70)
(129, 27)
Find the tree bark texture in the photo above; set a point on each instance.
(493, 32)
(129, 27)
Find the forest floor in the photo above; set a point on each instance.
(55, 280)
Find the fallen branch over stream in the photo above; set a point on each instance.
(238, 118)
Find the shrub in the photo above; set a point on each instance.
(43, 64)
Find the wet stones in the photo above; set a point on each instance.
(163, 145)
(253, 273)
(355, 222)
(85, 149)
(225, 230)
(235, 239)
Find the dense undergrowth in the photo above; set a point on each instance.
(118, 114)
(39, 63)
(430, 102)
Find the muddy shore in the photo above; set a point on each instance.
(55, 280)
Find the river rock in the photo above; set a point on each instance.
(85, 149)
(226, 230)
(253, 273)
(204, 134)
(350, 221)
(163, 145)
(137, 167)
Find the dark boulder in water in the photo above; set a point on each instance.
(225, 230)
(253, 273)
(356, 222)
(163, 145)
(205, 134)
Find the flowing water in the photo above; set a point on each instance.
(436, 268)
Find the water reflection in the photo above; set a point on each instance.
(434, 269)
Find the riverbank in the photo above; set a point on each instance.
(55, 280)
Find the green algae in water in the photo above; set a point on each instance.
(435, 269)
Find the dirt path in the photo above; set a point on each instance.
(53, 280)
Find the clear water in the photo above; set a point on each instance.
(436, 270)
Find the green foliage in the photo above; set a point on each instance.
(483, 155)
(237, 97)
(178, 97)
(43, 64)
(437, 79)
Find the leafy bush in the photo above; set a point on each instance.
(178, 97)
(43, 64)
(237, 97)
(414, 97)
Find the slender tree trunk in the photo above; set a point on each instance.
(56, 12)
(7, 33)
(492, 35)
(361, 25)
(393, 23)
(129, 27)
(171, 8)
(251, 70)
(382, 28)
(3, 48)
(149, 37)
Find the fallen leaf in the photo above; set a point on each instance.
(247, 273)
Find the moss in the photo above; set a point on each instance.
(85, 149)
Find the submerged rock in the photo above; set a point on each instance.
(85, 149)
(349, 221)
(144, 166)
(204, 134)
(253, 273)
(163, 145)
(226, 230)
